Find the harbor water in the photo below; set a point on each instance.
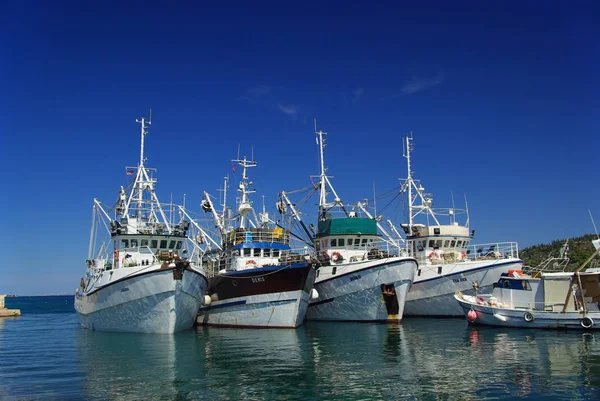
(45, 354)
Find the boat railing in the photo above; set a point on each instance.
(492, 250)
(248, 235)
(367, 251)
(224, 263)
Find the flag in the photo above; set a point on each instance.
(233, 167)
(129, 172)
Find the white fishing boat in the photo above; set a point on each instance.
(361, 277)
(256, 279)
(564, 300)
(138, 276)
(448, 262)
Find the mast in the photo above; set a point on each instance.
(425, 201)
(143, 128)
(407, 149)
(91, 245)
(245, 204)
(324, 180)
(142, 183)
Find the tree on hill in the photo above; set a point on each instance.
(579, 250)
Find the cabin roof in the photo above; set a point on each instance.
(348, 225)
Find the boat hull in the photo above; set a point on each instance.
(356, 294)
(432, 294)
(494, 316)
(152, 301)
(266, 297)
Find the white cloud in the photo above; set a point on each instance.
(420, 84)
(357, 93)
(290, 110)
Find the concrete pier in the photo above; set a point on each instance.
(7, 312)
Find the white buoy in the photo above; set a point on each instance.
(207, 300)
(314, 294)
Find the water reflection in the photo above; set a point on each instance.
(421, 359)
(123, 366)
(246, 363)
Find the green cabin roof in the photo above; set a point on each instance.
(348, 225)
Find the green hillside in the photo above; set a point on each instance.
(580, 249)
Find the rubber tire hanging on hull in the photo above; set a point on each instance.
(587, 322)
(528, 317)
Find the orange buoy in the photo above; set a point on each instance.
(472, 315)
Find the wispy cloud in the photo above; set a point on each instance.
(258, 91)
(290, 110)
(357, 93)
(420, 84)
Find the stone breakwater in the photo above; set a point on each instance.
(7, 312)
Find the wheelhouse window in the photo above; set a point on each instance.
(163, 243)
(364, 241)
(134, 243)
(247, 252)
(350, 241)
(267, 253)
(144, 242)
(431, 243)
(178, 246)
(459, 244)
(341, 242)
(334, 242)
(172, 245)
(446, 244)
(275, 253)
(154, 243)
(452, 243)
(124, 243)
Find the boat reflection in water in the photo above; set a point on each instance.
(127, 366)
(426, 359)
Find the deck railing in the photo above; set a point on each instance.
(247, 235)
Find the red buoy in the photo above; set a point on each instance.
(472, 315)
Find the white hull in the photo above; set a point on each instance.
(432, 294)
(355, 294)
(142, 300)
(276, 310)
(494, 316)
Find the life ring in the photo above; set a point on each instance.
(336, 256)
(587, 322)
(528, 317)
(433, 256)
(251, 262)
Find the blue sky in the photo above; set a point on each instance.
(502, 100)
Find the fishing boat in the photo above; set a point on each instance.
(563, 300)
(256, 279)
(448, 262)
(361, 277)
(138, 276)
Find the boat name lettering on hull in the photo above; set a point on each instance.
(459, 280)
(258, 279)
(353, 278)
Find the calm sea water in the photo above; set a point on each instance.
(45, 354)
